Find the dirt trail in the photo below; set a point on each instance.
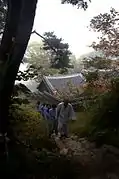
(98, 163)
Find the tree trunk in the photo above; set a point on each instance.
(12, 19)
(13, 15)
(21, 32)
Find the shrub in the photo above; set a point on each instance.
(28, 160)
(29, 127)
(99, 122)
(80, 126)
(104, 127)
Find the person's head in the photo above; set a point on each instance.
(54, 106)
(66, 101)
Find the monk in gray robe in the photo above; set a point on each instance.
(64, 113)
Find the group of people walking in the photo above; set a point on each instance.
(57, 117)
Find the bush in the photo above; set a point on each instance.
(99, 122)
(29, 127)
(18, 100)
(80, 126)
(106, 112)
(104, 126)
(35, 159)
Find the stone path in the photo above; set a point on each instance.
(99, 162)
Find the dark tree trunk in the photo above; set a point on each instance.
(21, 32)
(12, 19)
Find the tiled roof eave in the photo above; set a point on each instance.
(48, 84)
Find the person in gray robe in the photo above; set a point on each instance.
(64, 113)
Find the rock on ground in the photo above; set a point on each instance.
(99, 163)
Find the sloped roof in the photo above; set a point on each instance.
(61, 82)
(21, 88)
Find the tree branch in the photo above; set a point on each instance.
(34, 32)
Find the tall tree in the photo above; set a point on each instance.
(59, 51)
(107, 25)
(38, 63)
(79, 3)
(19, 22)
(97, 63)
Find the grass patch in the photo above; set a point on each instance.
(80, 127)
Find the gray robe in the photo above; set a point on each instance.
(64, 114)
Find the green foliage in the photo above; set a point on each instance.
(29, 127)
(107, 25)
(60, 53)
(80, 3)
(18, 100)
(39, 59)
(99, 122)
(97, 63)
(106, 112)
(80, 126)
(47, 58)
(91, 76)
(38, 63)
(37, 56)
(36, 158)
(103, 126)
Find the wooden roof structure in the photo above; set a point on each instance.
(52, 84)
